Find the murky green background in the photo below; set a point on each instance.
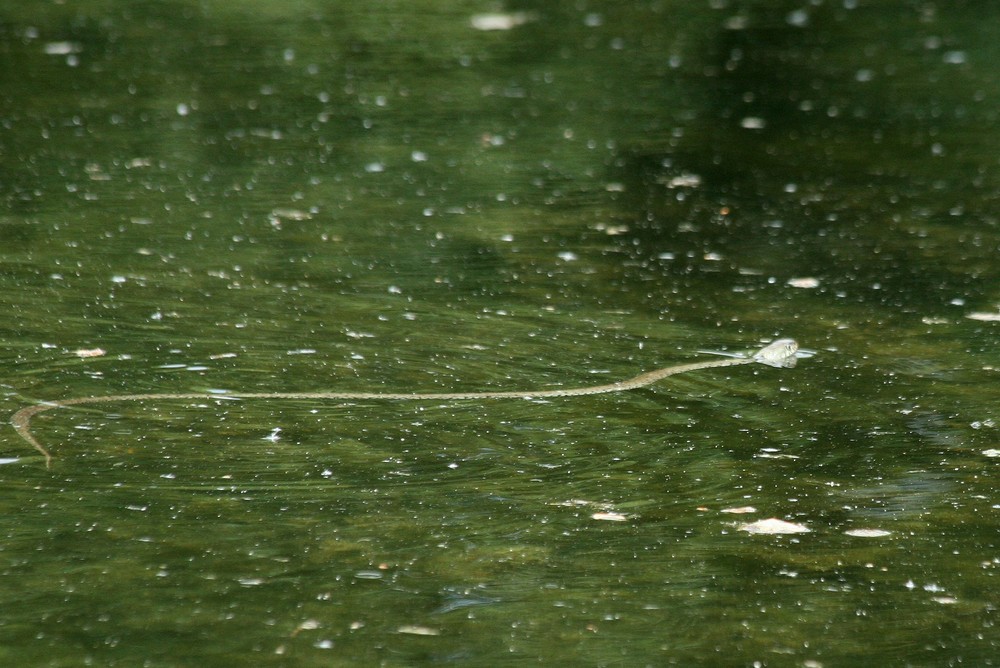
(282, 196)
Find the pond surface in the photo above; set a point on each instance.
(426, 197)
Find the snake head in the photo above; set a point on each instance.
(780, 353)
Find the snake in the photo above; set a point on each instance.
(779, 353)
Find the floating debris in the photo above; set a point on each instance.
(291, 214)
(868, 533)
(368, 575)
(610, 517)
(772, 453)
(804, 282)
(413, 630)
(740, 510)
(983, 316)
(307, 625)
(89, 352)
(574, 503)
(62, 48)
(685, 180)
(499, 21)
(773, 526)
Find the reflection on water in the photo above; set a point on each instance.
(400, 199)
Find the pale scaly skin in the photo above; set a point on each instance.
(780, 353)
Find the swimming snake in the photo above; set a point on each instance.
(780, 353)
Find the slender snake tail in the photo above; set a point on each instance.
(780, 353)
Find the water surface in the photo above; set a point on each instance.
(324, 196)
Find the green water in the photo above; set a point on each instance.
(283, 196)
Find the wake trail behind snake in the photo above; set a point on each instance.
(780, 353)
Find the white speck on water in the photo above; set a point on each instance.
(799, 18)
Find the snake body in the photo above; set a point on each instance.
(780, 353)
